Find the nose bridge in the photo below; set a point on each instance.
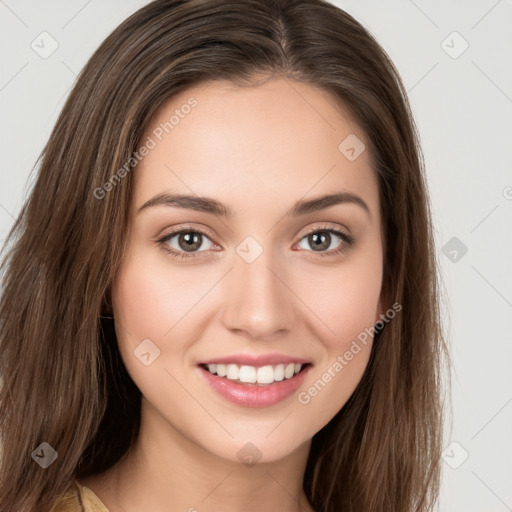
(257, 300)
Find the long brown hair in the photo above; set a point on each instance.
(63, 381)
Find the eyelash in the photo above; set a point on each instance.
(348, 241)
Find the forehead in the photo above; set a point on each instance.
(275, 142)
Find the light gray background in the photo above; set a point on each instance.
(463, 108)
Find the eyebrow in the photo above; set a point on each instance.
(214, 207)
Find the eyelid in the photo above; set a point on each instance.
(327, 227)
(340, 231)
(184, 228)
(347, 239)
(167, 235)
(206, 232)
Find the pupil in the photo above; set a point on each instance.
(319, 240)
(191, 241)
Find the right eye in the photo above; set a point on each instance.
(184, 243)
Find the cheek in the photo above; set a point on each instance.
(332, 384)
(344, 299)
(143, 310)
(150, 299)
(137, 303)
(154, 301)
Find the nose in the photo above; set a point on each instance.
(258, 301)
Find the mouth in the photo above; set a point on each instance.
(255, 386)
(255, 375)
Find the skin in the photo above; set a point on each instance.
(258, 150)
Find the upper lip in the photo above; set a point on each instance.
(255, 360)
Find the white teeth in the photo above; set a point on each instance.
(289, 371)
(247, 374)
(250, 374)
(232, 371)
(265, 375)
(279, 372)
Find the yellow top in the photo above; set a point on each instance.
(79, 498)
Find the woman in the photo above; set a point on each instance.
(221, 293)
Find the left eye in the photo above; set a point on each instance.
(322, 240)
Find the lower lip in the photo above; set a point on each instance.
(250, 395)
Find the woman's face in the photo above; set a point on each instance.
(254, 273)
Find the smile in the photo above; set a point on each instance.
(263, 375)
(251, 386)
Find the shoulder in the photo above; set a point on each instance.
(78, 498)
